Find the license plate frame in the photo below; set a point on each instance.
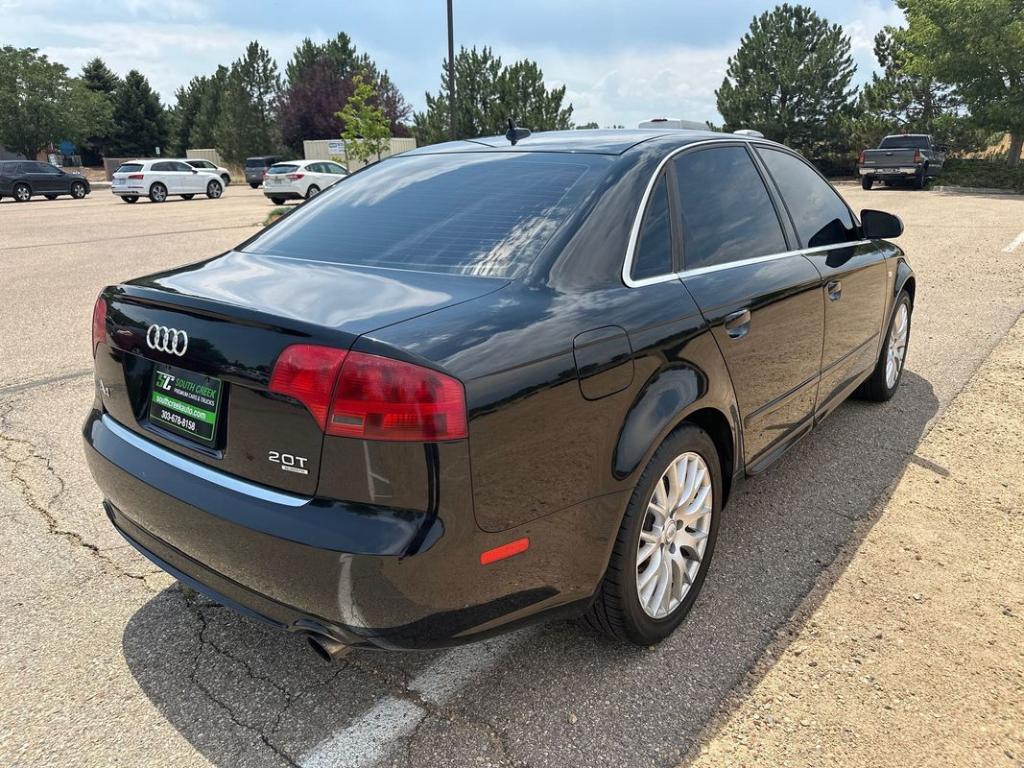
(186, 403)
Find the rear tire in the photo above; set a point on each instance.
(22, 193)
(884, 382)
(130, 198)
(867, 182)
(619, 610)
(214, 190)
(187, 197)
(157, 193)
(277, 200)
(254, 186)
(921, 179)
(313, 191)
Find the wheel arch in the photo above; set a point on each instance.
(905, 280)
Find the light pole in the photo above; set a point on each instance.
(451, 74)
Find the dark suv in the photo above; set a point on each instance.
(21, 179)
(256, 168)
(479, 383)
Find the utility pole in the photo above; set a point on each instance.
(451, 73)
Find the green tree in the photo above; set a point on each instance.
(487, 94)
(338, 53)
(40, 105)
(140, 123)
(247, 120)
(209, 94)
(101, 80)
(977, 47)
(588, 126)
(790, 80)
(188, 100)
(367, 129)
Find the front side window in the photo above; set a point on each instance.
(335, 168)
(820, 216)
(476, 213)
(653, 254)
(725, 210)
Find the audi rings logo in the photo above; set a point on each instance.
(164, 339)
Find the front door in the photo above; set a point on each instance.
(853, 272)
(761, 299)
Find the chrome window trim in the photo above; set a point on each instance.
(201, 470)
(634, 233)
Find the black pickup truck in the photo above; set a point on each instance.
(908, 157)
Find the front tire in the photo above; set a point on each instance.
(214, 190)
(226, 179)
(665, 542)
(78, 190)
(254, 186)
(22, 193)
(157, 193)
(888, 373)
(867, 182)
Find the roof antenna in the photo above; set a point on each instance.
(514, 134)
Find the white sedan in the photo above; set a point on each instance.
(160, 179)
(298, 179)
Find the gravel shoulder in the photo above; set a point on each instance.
(914, 644)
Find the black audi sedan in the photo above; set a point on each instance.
(23, 179)
(482, 383)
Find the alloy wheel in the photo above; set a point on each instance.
(897, 347)
(78, 190)
(22, 193)
(213, 189)
(674, 535)
(158, 193)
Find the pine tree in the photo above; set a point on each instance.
(140, 124)
(247, 122)
(101, 80)
(790, 80)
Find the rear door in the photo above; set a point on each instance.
(45, 178)
(761, 298)
(853, 271)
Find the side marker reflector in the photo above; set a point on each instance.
(505, 550)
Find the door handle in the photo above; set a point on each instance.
(737, 324)
(834, 289)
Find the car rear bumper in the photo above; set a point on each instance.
(393, 579)
(894, 173)
(129, 191)
(283, 194)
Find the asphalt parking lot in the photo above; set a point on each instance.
(105, 661)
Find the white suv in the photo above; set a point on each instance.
(297, 179)
(206, 165)
(158, 179)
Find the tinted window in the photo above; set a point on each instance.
(726, 212)
(819, 214)
(653, 255)
(904, 142)
(316, 168)
(129, 168)
(48, 169)
(255, 162)
(335, 168)
(273, 170)
(475, 213)
(165, 166)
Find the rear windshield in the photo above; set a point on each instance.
(281, 169)
(257, 162)
(129, 168)
(477, 214)
(904, 142)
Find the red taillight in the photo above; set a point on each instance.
(136, 175)
(917, 156)
(99, 323)
(308, 373)
(370, 397)
(505, 550)
(861, 158)
(295, 176)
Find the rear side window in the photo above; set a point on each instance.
(653, 255)
(165, 166)
(129, 168)
(819, 214)
(727, 214)
(487, 213)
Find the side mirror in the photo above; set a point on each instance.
(879, 225)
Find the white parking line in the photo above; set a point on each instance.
(1017, 243)
(367, 738)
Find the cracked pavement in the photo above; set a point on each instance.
(105, 661)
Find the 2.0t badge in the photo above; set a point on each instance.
(164, 339)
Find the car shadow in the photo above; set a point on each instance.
(245, 694)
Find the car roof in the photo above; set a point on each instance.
(601, 142)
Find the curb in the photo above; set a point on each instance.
(949, 189)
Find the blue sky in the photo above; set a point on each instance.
(621, 62)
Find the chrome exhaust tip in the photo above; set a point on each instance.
(327, 648)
